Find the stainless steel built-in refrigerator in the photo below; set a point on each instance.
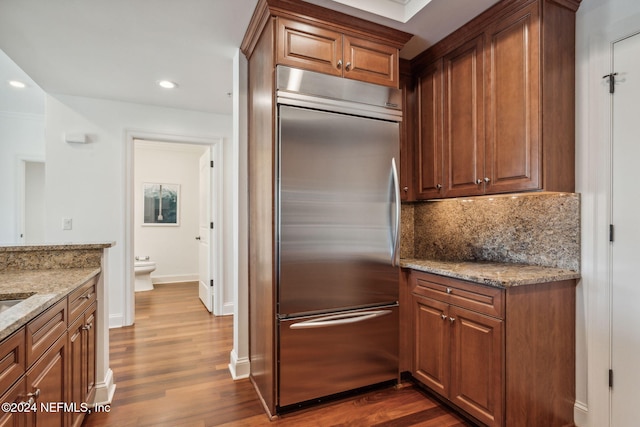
(338, 234)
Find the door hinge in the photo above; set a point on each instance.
(211, 163)
(610, 378)
(212, 225)
(211, 283)
(611, 232)
(612, 81)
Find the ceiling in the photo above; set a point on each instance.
(119, 49)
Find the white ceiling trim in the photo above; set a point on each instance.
(398, 10)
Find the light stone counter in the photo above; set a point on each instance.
(44, 274)
(501, 275)
(45, 287)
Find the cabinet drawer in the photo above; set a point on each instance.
(479, 298)
(81, 299)
(45, 329)
(12, 359)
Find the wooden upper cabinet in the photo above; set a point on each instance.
(370, 62)
(463, 135)
(315, 48)
(430, 176)
(512, 94)
(407, 129)
(508, 103)
(305, 46)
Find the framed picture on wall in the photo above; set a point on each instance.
(161, 205)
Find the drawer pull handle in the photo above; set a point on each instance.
(449, 290)
(88, 296)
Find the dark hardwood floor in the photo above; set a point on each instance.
(171, 370)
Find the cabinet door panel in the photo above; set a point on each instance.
(431, 362)
(309, 47)
(513, 154)
(16, 394)
(49, 375)
(477, 371)
(429, 147)
(370, 62)
(464, 119)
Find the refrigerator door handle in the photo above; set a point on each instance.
(396, 225)
(339, 319)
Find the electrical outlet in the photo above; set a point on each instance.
(67, 223)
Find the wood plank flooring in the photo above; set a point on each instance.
(171, 370)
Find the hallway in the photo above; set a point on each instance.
(171, 370)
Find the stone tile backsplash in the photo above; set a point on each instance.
(530, 228)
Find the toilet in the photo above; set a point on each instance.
(143, 269)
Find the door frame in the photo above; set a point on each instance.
(216, 264)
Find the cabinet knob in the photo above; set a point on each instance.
(439, 186)
(348, 66)
(405, 189)
(478, 181)
(487, 180)
(452, 319)
(34, 395)
(339, 64)
(444, 316)
(449, 290)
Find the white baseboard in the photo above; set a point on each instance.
(239, 368)
(174, 278)
(580, 414)
(116, 320)
(105, 390)
(227, 309)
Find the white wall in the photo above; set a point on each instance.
(21, 137)
(599, 22)
(86, 182)
(173, 248)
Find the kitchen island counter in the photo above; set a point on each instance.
(43, 288)
(500, 275)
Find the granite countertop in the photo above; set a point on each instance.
(55, 246)
(501, 275)
(47, 287)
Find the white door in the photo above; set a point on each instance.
(625, 310)
(205, 255)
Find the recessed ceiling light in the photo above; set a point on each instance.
(17, 84)
(167, 84)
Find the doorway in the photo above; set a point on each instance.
(31, 206)
(199, 147)
(625, 247)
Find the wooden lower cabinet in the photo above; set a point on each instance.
(47, 381)
(459, 356)
(15, 395)
(51, 367)
(505, 357)
(82, 353)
